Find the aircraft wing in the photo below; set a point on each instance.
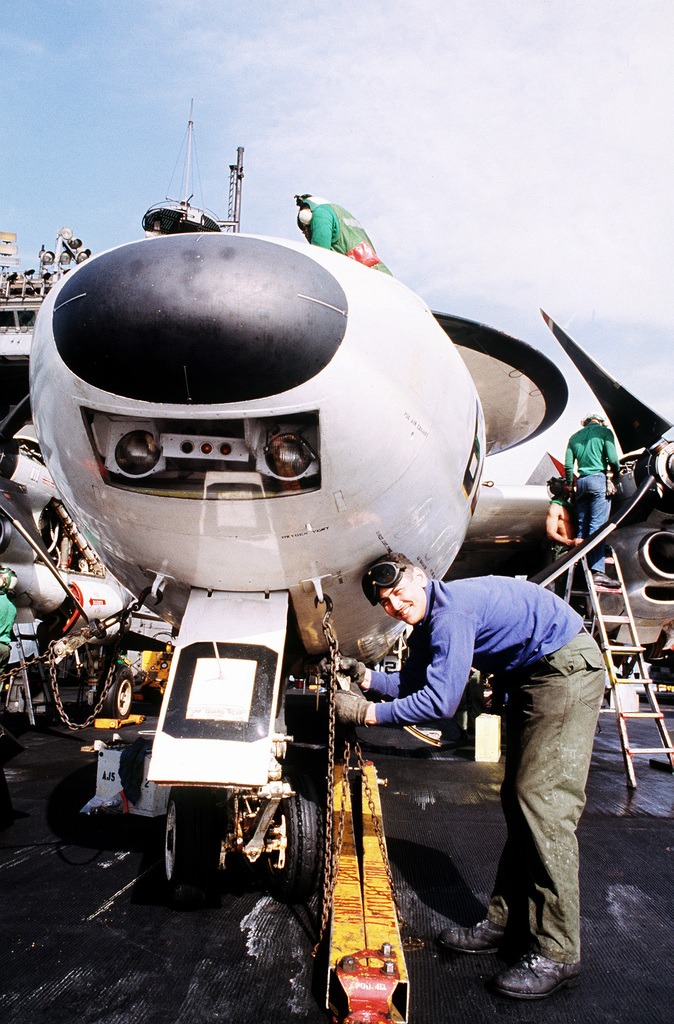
(522, 392)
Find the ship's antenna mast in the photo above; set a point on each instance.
(190, 128)
(233, 222)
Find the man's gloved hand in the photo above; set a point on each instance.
(350, 667)
(350, 708)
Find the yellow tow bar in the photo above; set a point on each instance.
(367, 976)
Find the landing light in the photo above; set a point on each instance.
(288, 455)
(137, 453)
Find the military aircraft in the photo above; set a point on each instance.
(61, 582)
(240, 424)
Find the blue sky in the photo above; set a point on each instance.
(503, 154)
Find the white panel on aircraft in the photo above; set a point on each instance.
(216, 725)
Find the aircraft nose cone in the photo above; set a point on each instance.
(204, 319)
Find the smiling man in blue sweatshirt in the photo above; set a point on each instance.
(553, 674)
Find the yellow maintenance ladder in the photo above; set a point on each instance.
(624, 662)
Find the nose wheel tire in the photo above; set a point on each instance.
(191, 846)
(293, 876)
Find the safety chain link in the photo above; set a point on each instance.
(333, 854)
(57, 649)
(330, 856)
(76, 726)
(8, 675)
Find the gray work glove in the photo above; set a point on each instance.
(350, 708)
(355, 670)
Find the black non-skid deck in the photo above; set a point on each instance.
(88, 937)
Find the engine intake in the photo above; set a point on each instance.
(656, 554)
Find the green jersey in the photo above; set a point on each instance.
(593, 450)
(333, 227)
(7, 616)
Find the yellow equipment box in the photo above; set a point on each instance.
(488, 738)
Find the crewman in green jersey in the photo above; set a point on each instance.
(592, 452)
(7, 613)
(332, 227)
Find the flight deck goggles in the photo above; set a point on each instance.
(383, 574)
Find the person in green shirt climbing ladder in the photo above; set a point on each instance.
(332, 227)
(592, 451)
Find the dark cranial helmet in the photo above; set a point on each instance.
(558, 487)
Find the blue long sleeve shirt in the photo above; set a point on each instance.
(494, 623)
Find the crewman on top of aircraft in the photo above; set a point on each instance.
(332, 227)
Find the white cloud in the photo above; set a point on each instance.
(506, 149)
(503, 154)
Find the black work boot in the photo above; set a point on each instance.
(483, 937)
(535, 977)
(602, 580)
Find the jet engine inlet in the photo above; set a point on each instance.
(656, 554)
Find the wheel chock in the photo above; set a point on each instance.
(367, 976)
(117, 723)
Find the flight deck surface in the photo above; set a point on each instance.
(88, 936)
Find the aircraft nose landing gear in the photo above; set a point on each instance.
(204, 824)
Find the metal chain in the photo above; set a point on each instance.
(75, 726)
(333, 854)
(93, 630)
(8, 675)
(330, 858)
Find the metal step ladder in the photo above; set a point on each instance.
(624, 661)
(18, 691)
